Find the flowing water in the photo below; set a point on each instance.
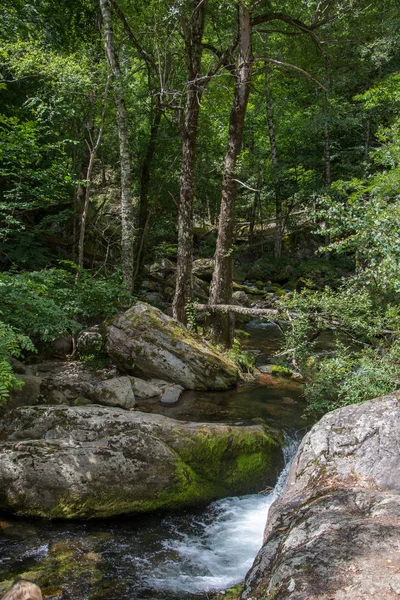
(179, 556)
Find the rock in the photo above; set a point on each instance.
(145, 338)
(71, 379)
(115, 392)
(150, 286)
(334, 533)
(172, 394)
(19, 367)
(240, 298)
(95, 461)
(145, 389)
(28, 394)
(203, 268)
(163, 268)
(200, 288)
(13, 529)
(267, 369)
(56, 397)
(62, 346)
(89, 341)
(154, 298)
(160, 383)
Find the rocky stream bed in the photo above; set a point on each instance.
(332, 532)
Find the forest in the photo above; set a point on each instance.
(143, 141)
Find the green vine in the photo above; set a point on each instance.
(191, 315)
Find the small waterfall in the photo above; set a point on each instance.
(215, 551)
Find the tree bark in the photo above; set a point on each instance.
(93, 148)
(221, 284)
(124, 150)
(327, 145)
(327, 142)
(193, 35)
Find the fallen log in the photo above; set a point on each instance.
(265, 313)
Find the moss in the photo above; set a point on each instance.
(208, 465)
(234, 463)
(279, 371)
(230, 594)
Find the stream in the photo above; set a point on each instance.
(185, 555)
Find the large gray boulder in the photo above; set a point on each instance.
(93, 461)
(334, 533)
(144, 338)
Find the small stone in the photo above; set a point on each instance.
(115, 392)
(56, 397)
(145, 389)
(172, 394)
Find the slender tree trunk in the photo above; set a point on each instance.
(275, 166)
(254, 207)
(93, 148)
(124, 150)
(327, 142)
(327, 151)
(221, 285)
(367, 139)
(193, 35)
(142, 217)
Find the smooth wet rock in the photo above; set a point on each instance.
(144, 338)
(334, 534)
(115, 392)
(94, 461)
(172, 394)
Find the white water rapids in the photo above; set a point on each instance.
(222, 545)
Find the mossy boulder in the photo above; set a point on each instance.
(145, 339)
(203, 268)
(84, 462)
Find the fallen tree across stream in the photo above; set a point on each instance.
(265, 313)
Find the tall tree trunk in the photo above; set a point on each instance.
(367, 137)
(193, 35)
(124, 150)
(93, 148)
(275, 165)
(221, 285)
(327, 145)
(142, 216)
(327, 142)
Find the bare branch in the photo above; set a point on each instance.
(133, 38)
(280, 63)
